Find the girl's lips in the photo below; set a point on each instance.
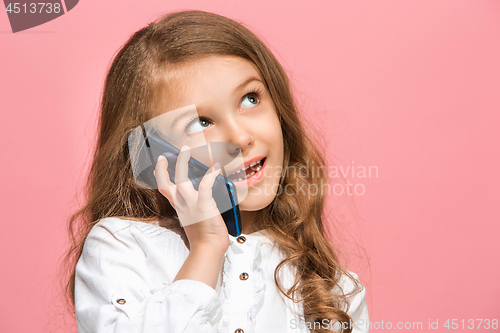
(253, 179)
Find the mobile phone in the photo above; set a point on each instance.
(223, 190)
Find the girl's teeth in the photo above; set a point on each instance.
(250, 174)
(251, 165)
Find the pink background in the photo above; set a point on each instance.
(411, 87)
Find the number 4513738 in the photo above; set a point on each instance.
(471, 324)
(33, 8)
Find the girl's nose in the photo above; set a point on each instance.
(239, 137)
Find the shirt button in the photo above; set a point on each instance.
(243, 276)
(241, 239)
(239, 330)
(121, 301)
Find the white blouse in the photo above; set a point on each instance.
(124, 284)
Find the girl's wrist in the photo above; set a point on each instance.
(208, 249)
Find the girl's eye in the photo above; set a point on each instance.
(197, 125)
(249, 101)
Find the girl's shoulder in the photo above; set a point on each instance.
(127, 230)
(350, 285)
(117, 224)
(130, 254)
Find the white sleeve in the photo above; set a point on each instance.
(113, 292)
(358, 310)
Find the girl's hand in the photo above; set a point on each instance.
(197, 210)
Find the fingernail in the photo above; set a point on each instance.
(161, 157)
(216, 166)
(184, 148)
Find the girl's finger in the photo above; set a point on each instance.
(206, 184)
(163, 179)
(170, 191)
(182, 182)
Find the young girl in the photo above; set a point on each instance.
(162, 260)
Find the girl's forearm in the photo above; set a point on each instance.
(202, 264)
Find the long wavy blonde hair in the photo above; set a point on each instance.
(131, 89)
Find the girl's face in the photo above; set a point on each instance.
(233, 106)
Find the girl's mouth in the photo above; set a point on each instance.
(249, 174)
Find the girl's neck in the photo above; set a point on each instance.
(249, 221)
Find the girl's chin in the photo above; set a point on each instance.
(254, 203)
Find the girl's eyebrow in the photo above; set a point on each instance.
(253, 78)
